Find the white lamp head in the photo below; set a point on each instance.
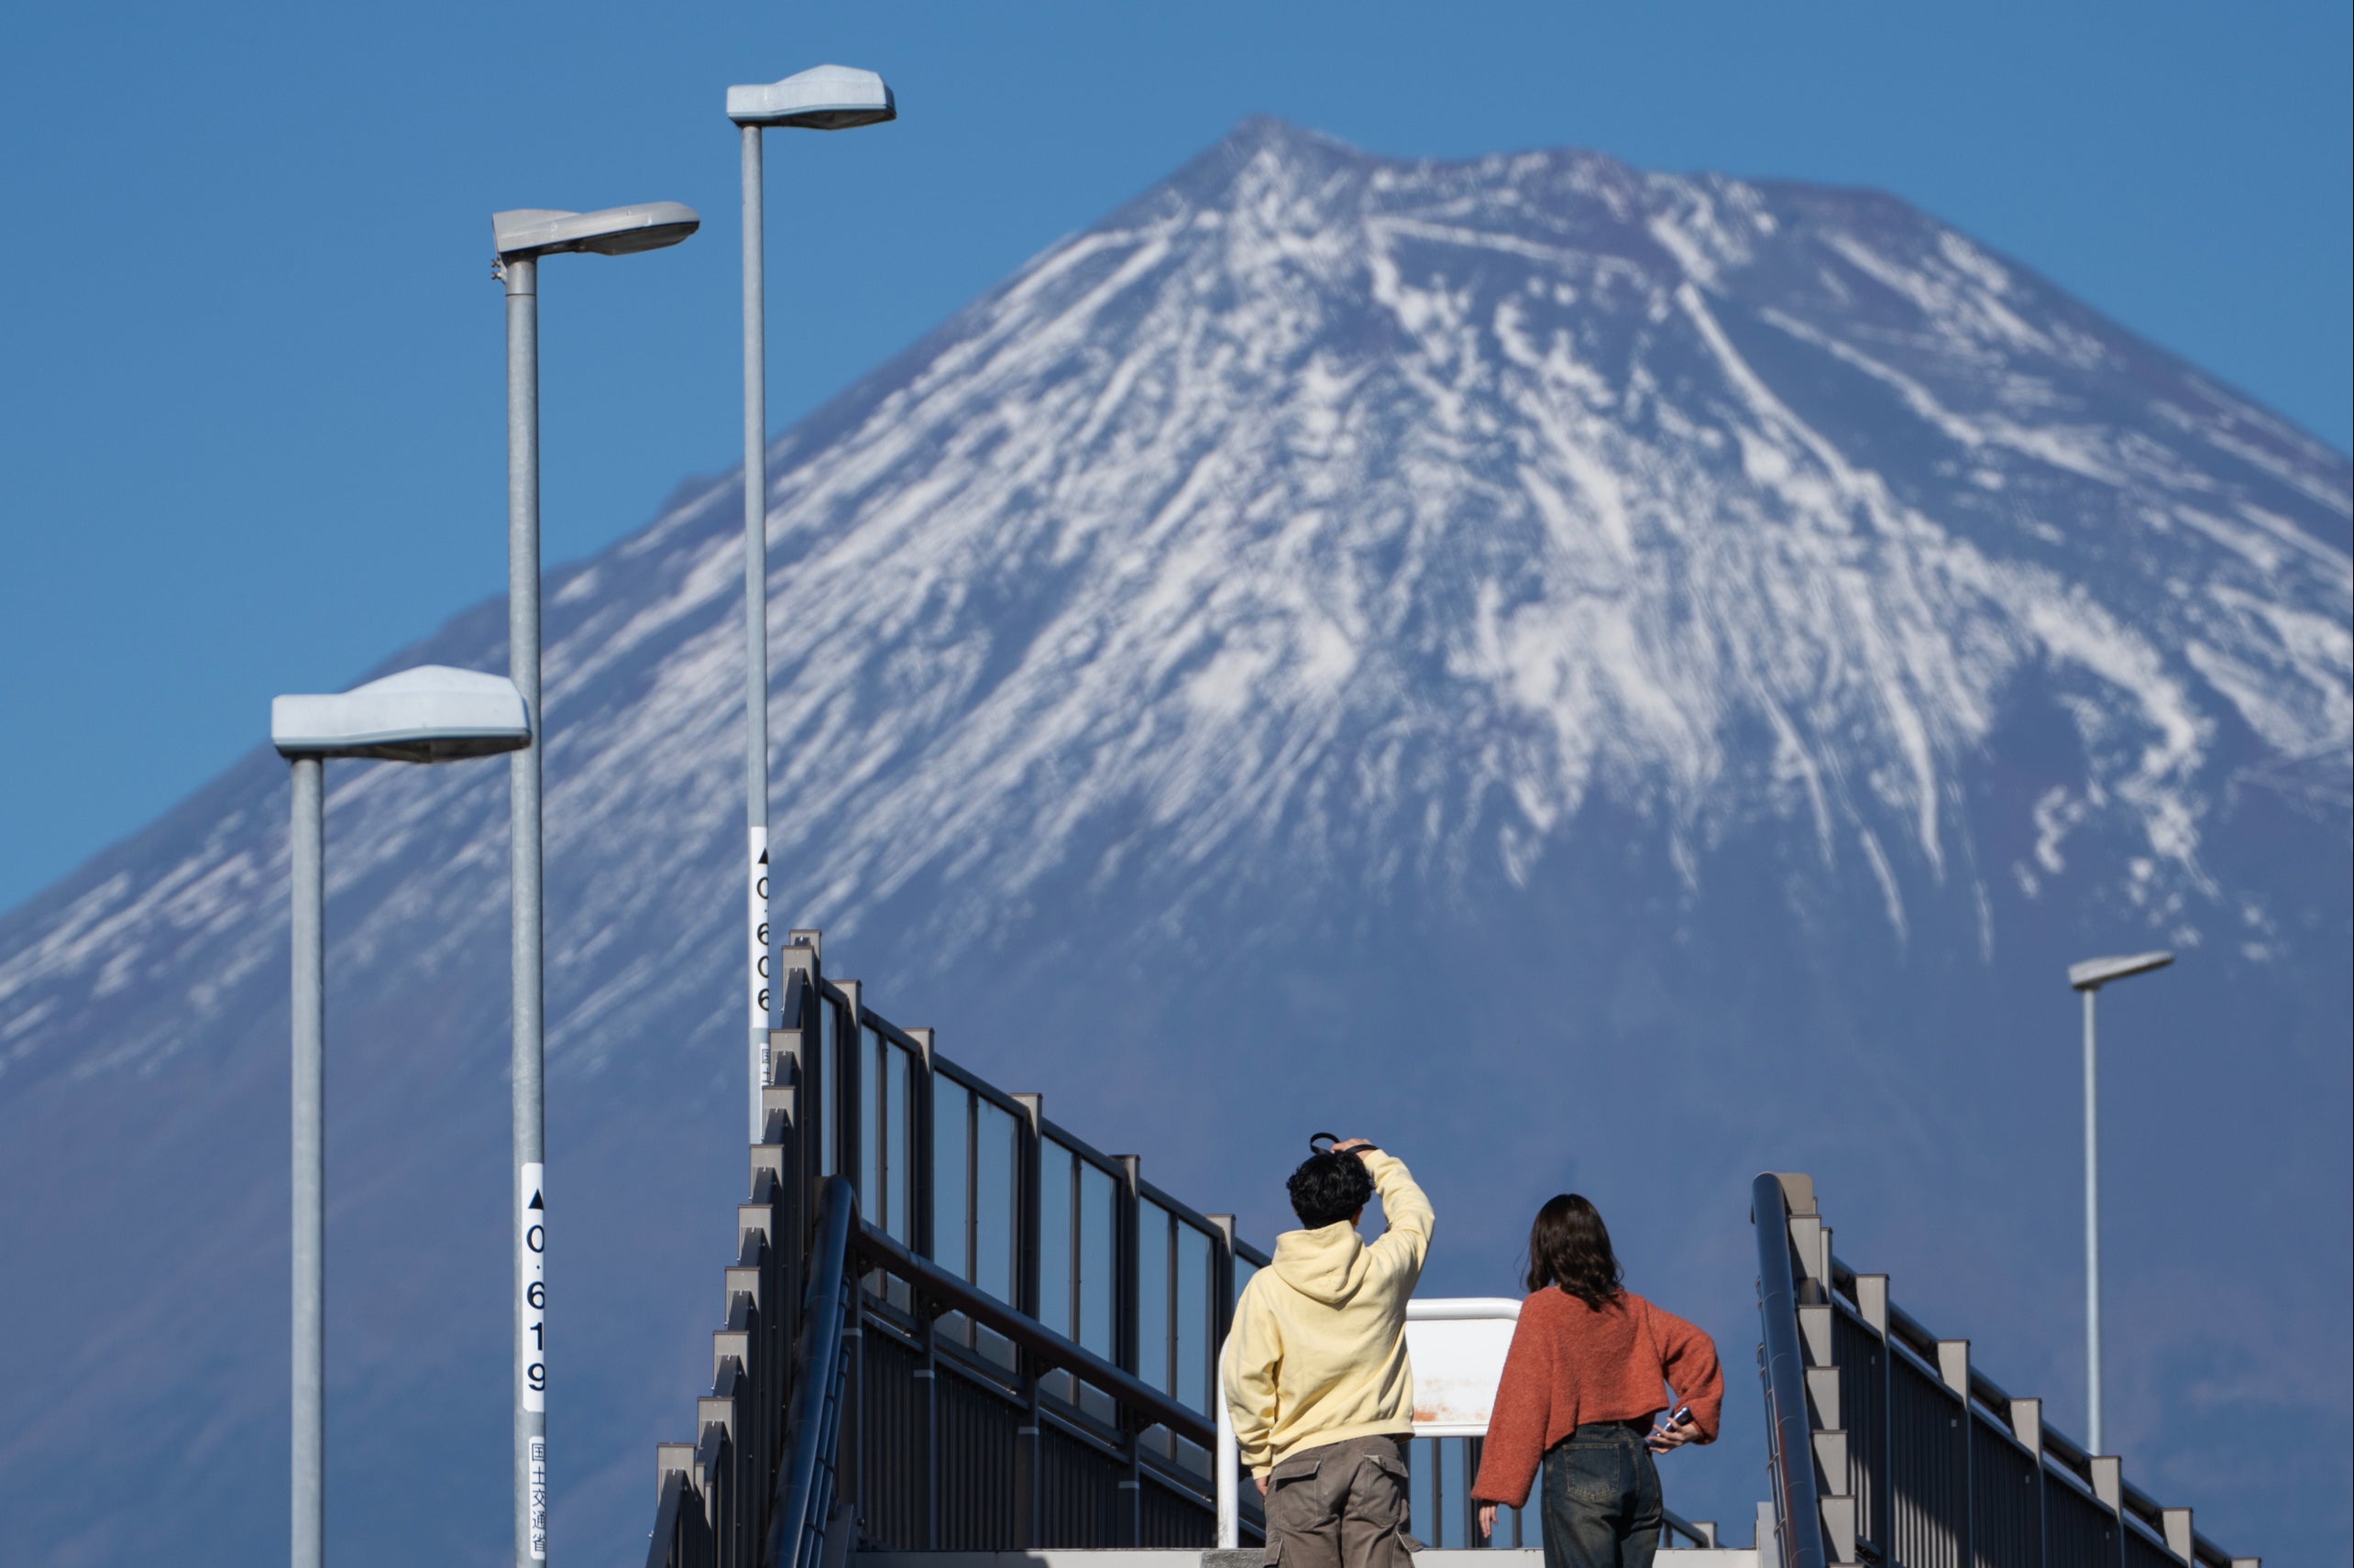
(430, 714)
(822, 98)
(612, 231)
(2094, 973)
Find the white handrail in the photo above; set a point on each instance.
(1463, 1309)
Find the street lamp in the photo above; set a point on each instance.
(521, 237)
(824, 98)
(2088, 978)
(428, 715)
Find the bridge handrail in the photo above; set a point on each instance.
(2059, 1449)
(805, 1482)
(1921, 1455)
(1781, 1367)
(1051, 1350)
(1080, 1297)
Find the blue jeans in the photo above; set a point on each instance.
(1600, 1500)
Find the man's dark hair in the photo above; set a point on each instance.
(1570, 1247)
(1328, 1187)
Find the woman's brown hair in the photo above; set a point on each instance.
(1570, 1246)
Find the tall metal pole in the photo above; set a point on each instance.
(523, 842)
(1228, 1460)
(755, 622)
(306, 843)
(2091, 1231)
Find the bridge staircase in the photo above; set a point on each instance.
(1887, 1445)
(956, 1334)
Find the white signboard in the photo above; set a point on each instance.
(1458, 1349)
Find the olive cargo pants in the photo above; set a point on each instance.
(1341, 1506)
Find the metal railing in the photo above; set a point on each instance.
(1008, 1337)
(1028, 1328)
(807, 1486)
(1903, 1453)
(1782, 1369)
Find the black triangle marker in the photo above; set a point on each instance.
(763, 857)
(535, 1202)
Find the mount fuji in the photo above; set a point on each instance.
(1590, 677)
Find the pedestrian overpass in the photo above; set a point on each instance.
(956, 1334)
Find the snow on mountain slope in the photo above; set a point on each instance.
(1355, 453)
(1320, 542)
(1309, 470)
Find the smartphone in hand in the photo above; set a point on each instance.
(1674, 1417)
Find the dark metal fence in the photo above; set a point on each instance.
(807, 1519)
(1888, 1447)
(1782, 1368)
(953, 1323)
(1027, 1335)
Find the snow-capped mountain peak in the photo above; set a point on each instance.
(1519, 648)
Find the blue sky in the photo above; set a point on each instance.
(251, 429)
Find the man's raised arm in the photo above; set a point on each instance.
(1405, 1214)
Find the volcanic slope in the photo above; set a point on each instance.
(1591, 678)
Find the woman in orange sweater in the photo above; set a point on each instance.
(1591, 1364)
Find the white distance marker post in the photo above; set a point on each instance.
(763, 1010)
(530, 1313)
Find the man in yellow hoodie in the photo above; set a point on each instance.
(1316, 1374)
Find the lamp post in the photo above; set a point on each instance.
(521, 237)
(824, 98)
(432, 714)
(2088, 978)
